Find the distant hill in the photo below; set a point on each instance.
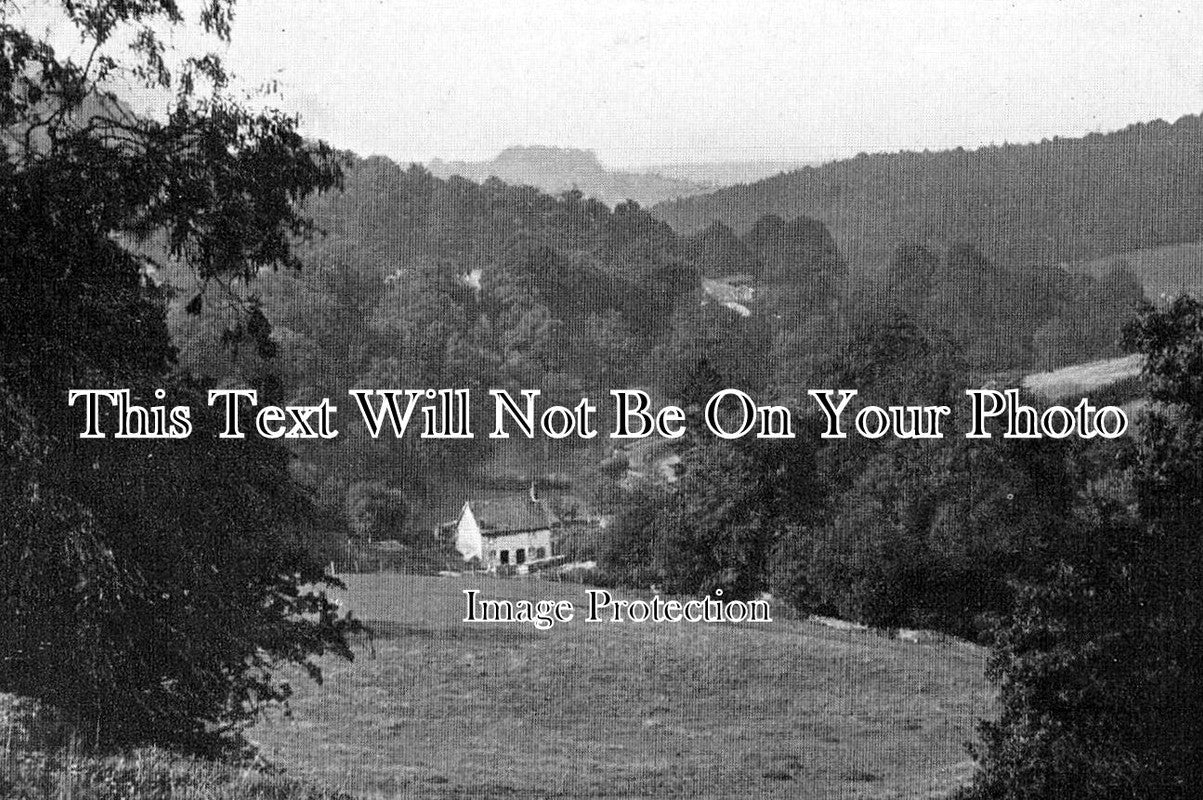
(558, 169)
(1061, 200)
(717, 174)
(1164, 271)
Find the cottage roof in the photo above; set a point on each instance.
(511, 515)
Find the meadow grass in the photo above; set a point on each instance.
(67, 773)
(1082, 379)
(434, 707)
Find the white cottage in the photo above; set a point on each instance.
(509, 531)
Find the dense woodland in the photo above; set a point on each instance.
(420, 281)
(154, 591)
(1062, 200)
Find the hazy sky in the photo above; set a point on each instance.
(643, 82)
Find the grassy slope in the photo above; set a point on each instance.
(1082, 379)
(448, 709)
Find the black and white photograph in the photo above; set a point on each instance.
(469, 399)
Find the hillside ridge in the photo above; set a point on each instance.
(1056, 201)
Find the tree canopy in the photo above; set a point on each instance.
(1100, 664)
(150, 588)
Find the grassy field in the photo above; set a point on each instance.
(1083, 379)
(441, 708)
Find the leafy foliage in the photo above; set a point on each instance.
(375, 511)
(921, 533)
(1100, 666)
(151, 588)
(718, 526)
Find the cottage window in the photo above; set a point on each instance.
(505, 557)
(539, 553)
(520, 556)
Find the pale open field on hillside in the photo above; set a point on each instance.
(443, 708)
(1081, 379)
